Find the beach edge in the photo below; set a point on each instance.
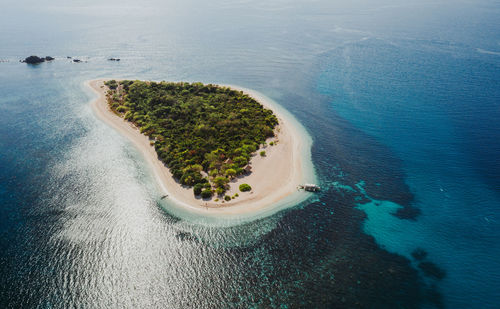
(294, 159)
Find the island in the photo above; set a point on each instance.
(209, 146)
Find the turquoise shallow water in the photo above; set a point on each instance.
(400, 99)
(437, 113)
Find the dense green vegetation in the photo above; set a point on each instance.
(205, 134)
(245, 187)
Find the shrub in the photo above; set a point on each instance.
(271, 143)
(262, 153)
(245, 187)
(227, 197)
(206, 193)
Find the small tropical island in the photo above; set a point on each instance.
(210, 146)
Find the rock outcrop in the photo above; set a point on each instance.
(36, 59)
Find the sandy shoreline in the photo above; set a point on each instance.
(273, 178)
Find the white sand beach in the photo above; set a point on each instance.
(273, 177)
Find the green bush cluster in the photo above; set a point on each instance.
(198, 188)
(112, 84)
(195, 127)
(207, 193)
(245, 187)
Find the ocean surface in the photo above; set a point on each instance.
(400, 98)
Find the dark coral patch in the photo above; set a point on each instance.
(432, 270)
(419, 254)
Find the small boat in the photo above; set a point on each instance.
(310, 187)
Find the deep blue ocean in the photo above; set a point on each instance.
(401, 99)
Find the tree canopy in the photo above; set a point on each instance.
(196, 128)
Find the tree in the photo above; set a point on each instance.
(198, 188)
(121, 109)
(206, 193)
(187, 179)
(220, 190)
(214, 172)
(230, 172)
(194, 168)
(220, 181)
(249, 148)
(240, 161)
